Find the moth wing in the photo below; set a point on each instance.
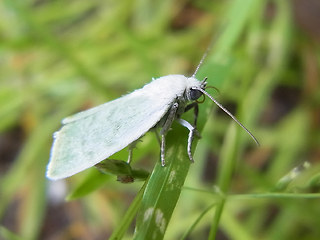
(91, 136)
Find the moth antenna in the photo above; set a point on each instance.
(208, 49)
(201, 61)
(227, 112)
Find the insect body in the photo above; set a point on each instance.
(91, 136)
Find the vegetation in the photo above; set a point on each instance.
(59, 57)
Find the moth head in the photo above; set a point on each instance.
(193, 92)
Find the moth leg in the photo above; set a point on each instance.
(163, 148)
(161, 142)
(192, 131)
(130, 149)
(130, 155)
(165, 129)
(195, 107)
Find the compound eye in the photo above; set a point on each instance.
(194, 94)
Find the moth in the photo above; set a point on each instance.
(91, 136)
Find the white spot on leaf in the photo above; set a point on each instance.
(147, 214)
(172, 177)
(160, 221)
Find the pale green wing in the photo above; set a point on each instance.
(93, 135)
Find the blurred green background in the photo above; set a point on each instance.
(60, 57)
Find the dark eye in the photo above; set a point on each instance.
(194, 94)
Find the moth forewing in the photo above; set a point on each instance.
(91, 136)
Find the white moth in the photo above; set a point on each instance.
(91, 136)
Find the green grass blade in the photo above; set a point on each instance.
(197, 221)
(164, 188)
(93, 181)
(123, 226)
